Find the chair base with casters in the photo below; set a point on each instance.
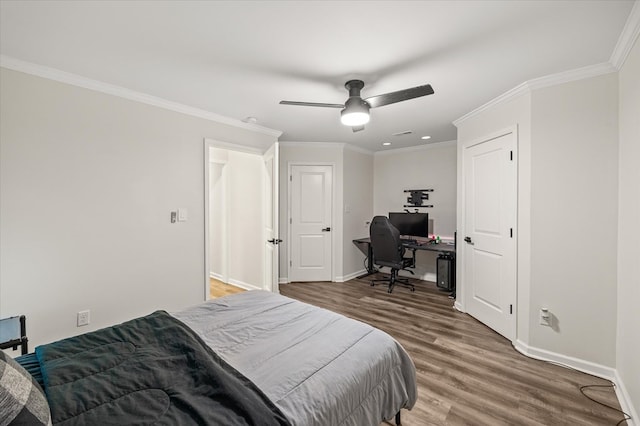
(394, 279)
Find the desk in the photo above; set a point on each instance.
(447, 251)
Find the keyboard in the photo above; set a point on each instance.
(409, 241)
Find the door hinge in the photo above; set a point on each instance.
(510, 232)
(290, 221)
(510, 155)
(511, 309)
(290, 263)
(290, 178)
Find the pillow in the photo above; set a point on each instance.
(22, 401)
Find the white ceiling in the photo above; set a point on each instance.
(240, 58)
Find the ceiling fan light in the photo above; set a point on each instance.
(355, 113)
(356, 118)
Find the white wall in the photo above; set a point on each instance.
(87, 183)
(567, 208)
(628, 341)
(358, 208)
(574, 199)
(237, 245)
(218, 233)
(312, 153)
(246, 246)
(428, 166)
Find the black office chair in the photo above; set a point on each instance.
(388, 251)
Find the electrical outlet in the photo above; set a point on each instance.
(83, 318)
(545, 317)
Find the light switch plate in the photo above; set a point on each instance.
(182, 215)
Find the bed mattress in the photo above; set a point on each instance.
(318, 367)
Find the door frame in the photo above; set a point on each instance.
(461, 293)
(212, 143)
(290, 165)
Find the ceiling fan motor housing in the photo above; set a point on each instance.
(354, 87)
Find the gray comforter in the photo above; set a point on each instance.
(318, 367)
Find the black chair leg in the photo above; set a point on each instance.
(394, 279)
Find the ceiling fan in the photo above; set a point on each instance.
(355, 111)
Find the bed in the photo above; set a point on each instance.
(249, 358)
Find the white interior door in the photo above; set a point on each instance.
(271, 237)
(311, 190)
(490, 186)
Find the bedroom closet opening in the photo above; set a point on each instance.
(235, 219)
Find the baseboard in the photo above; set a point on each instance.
(351, 276)
(427, 276)
(216, 276)
(625, 401)
(283, 280)
(243, 285)
(238, 283)
(588, 367)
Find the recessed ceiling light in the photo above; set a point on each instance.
(250, 119)
(386, 143)
(426, 137)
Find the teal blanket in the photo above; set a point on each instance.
(151, 370)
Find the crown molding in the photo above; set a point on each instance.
(627, 38)
(625, 43)
(121, 92)
(510, 94)
(576, 74)
(424, 147)
(540, 83)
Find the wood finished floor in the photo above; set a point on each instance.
(467, 373)
(218, 288)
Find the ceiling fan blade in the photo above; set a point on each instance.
(399, 96)
(313, 104)
(357, 128)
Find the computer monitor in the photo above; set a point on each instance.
(411, 224)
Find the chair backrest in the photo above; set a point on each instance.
(385, 242)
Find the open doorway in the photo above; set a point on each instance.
(240, 238)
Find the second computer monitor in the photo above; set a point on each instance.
(412, 224)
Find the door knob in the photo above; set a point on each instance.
(327, 229)
(468, 240)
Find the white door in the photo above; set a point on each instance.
(271, 238)
(489, 244)
(310, 223)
